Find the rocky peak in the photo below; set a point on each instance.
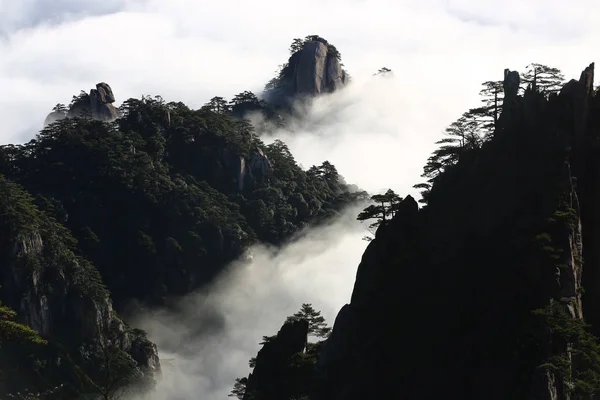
(96, 105)
(313, 69)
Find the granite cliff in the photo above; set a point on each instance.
(314, 68)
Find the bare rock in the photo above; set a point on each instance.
(310, 72)
(101, 110)
(258, 166)
(96, 105)
(105, 94)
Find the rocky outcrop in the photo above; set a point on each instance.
(255, 168)
(55, 292)
(270, 379)
(101, 100)
(225, 165)
(313, 70)
(443, 299)
(97, 105)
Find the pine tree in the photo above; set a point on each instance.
(386, 206)
(542, 78)
(316, 323)
(217, 105)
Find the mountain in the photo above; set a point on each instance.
(488, 291)
(108, 211)
(313, 68)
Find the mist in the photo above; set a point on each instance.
(368, 132)
(207, 342)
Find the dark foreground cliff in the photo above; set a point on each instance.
(444, 300)
(484, 292)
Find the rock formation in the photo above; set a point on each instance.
(57, 293)
(312, 70)
(256, 167)
(271, 376)
(97, 105)
(443, 300)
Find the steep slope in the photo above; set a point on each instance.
(314, 68)
(61, 296)
(444, 296)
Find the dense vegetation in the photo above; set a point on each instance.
(157, 197)
(62, 293)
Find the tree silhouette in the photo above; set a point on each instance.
(386, 207)
(316, 323)
(217, 105)
(384, 71)
(542, 78)
(60, 108)
(302, 362)
(488, 114)
(461, 136)
(297, 45)
(244, 97)
(239, 388)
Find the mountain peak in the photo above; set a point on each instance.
(313, 68)
(96, 105)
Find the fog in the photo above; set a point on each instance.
(208, 341)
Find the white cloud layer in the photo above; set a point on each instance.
(208, 343)
(378, 132)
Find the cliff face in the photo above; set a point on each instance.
(312, 70)
(315, 71)
(273, 376)
(444, 299)
(57, 293)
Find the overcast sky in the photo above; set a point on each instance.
(186, 50)
(191, 50)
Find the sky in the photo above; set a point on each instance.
(378, 132)
(185, 50)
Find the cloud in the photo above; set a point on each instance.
(190, 51)
(208, 341)
(378, 132)
(25, 14)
